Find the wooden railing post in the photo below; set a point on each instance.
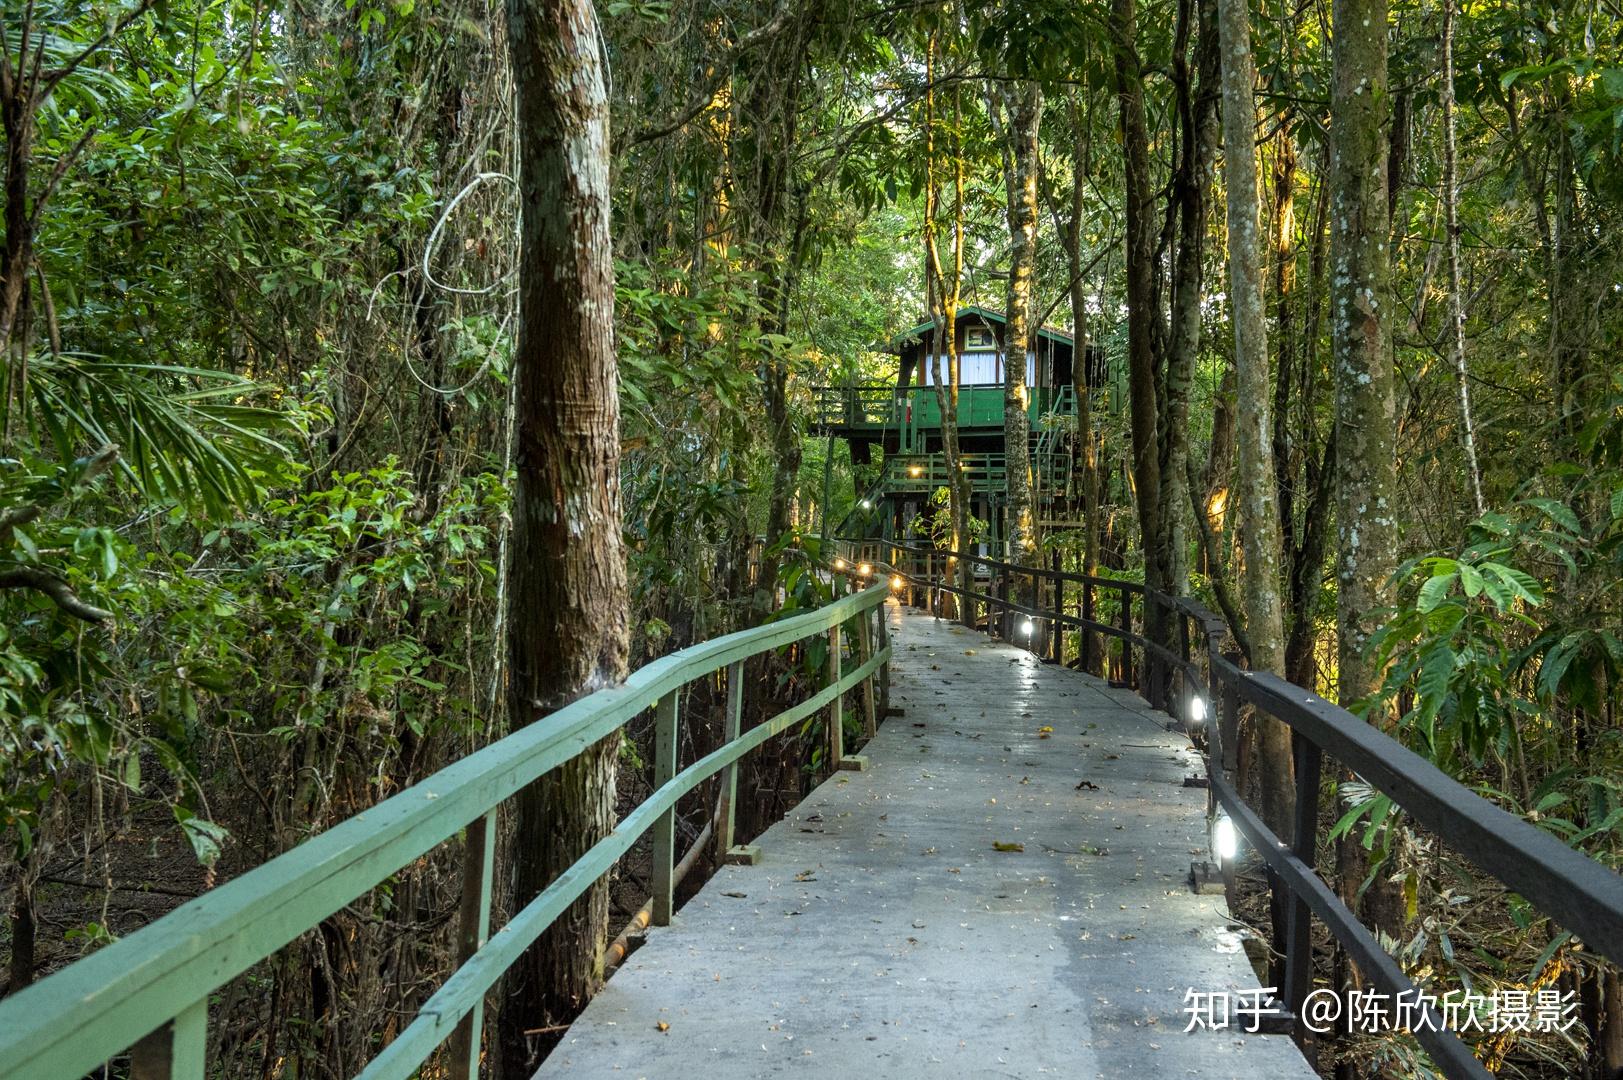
(175, 1051)
(473, 929)
(1003, 597)
(664, 830)
(870, 721)
(883, 638)
(1304, 844)
(732, 726)
(1057, 628)
(1087, 633)
(836, 708)
(1126, 641)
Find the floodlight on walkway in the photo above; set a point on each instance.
(1225, 839)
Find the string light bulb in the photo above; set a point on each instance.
(896, 582)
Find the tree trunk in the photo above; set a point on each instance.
(1142, 314)
(568, 631)
(1361, 358)
(1082, 388)
(1025, 104)
(1197, 106)
(1456, 298)
(1257, 485)
(1360, 335)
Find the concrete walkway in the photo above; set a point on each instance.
(883, 934)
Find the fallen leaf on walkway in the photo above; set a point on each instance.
(663, 1026)
(1089, 784)
(969, 652)
(1044, 732)
(1004, 845)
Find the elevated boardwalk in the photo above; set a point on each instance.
(883, 934)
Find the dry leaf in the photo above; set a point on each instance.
(1005, 845)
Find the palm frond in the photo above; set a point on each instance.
(186, 434)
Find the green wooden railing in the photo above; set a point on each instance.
(149, 993)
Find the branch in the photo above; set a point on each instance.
(27, 577)
(56, 75)
(706, 93)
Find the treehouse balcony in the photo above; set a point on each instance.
(879, 411)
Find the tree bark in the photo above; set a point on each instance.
(946, 293)
(1257, 484)
(1025, 104)
(1360, 335)
(1082, 389)
(1142, 314)
(1456, 298)
(1197, 107)
(568, 630)
(1361, 358)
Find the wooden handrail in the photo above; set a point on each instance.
(150, 990)
(1582, 894)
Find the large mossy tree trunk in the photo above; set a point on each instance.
(567, 631)
(1361, 359)
(1257, 483)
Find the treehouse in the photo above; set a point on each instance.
(894, 429)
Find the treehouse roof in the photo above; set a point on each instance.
(986, 314)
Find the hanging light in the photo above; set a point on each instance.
(1197, 710)
(1225, 839)
(839, 564)
(865, 570)
(896, 582)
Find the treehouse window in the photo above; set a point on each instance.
(974, 369)
(979, 337)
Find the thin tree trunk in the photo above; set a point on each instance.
(1197, 101)
(1142, 314)
(1025, 104)
(1081, 387)
(1456, 296)
(946, 293)
(568, 631)
(1257, 483)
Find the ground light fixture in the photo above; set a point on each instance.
(1027, 627)
(1197, 710)
(867, 504)
(865, 570)
(915, 470)
(896, 582)
(1225, 839)
(839, 564)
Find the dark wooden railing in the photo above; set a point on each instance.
(1579, 893)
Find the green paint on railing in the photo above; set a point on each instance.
(70, 1023)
